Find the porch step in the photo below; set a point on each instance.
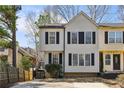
(79, 75)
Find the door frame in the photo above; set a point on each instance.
(119, 63)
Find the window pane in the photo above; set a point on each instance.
(74, 37)
(88, 37)
(52, 37)
(55, 58)
(75, 59)
(87, 60)
(107, 59)
(118, 37)
(81, 60)
(111, 37)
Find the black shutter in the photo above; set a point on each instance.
(68, 37)
(106, 37)
(50, 58)
(123, 37)
(57, 37)
(70, 59)
(46, 37)
(81, 37)
(92, 59)
(94, 37)
(60, 58)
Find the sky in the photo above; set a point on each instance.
(21, 27)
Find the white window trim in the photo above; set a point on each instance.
(84, 60)
(49, 38)
(85, 37)
(71, 37)
(115, 42)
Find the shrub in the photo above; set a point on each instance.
(53, 69)
(26, 62)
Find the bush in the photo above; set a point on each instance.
(26, 62)
(53, 69)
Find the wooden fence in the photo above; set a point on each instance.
(10, 75)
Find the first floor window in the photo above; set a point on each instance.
(74, 37)
(81, 60)
(75, 59)
(107, 59)
(87, 59)
(52, 37)
(55, 58)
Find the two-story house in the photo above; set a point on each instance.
(82, 46)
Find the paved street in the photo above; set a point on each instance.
(45, 84)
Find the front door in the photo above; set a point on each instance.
(116, 61)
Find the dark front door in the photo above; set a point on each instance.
(116, 61)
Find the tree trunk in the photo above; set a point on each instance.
(14, 48)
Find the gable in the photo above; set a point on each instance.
(81, 22)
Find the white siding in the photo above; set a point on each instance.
(80, 23)
(51, 47)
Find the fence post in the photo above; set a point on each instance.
(18, 73)
(7, 72)
(24, 74)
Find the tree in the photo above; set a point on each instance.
(26, 63)
(8, 19)
(66, 11)
(97, 12)
(32, 32)
(121, 12)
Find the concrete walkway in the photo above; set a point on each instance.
(44, 84)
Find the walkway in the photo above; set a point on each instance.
(57, 84)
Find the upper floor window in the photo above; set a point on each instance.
(115, 37)
(74, 37)
(51, 37)
(81, 37)
(88, 39)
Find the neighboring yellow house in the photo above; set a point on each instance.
(111, 47)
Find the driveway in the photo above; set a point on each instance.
(59, 84)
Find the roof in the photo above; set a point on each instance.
(111, 24)
(52, 25)
(22, 51)
(86, 16)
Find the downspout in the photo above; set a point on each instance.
(64, 52)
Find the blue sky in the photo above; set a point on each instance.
(23, 42)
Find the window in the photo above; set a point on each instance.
(81, 60)
(74, 37)
(52, 37)
(115, 37)
(107, 59)
(119, 37)
(87, 59)
(2, 49)
(55, 58)
(75, 59)
(88, 38)
(111, 37)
